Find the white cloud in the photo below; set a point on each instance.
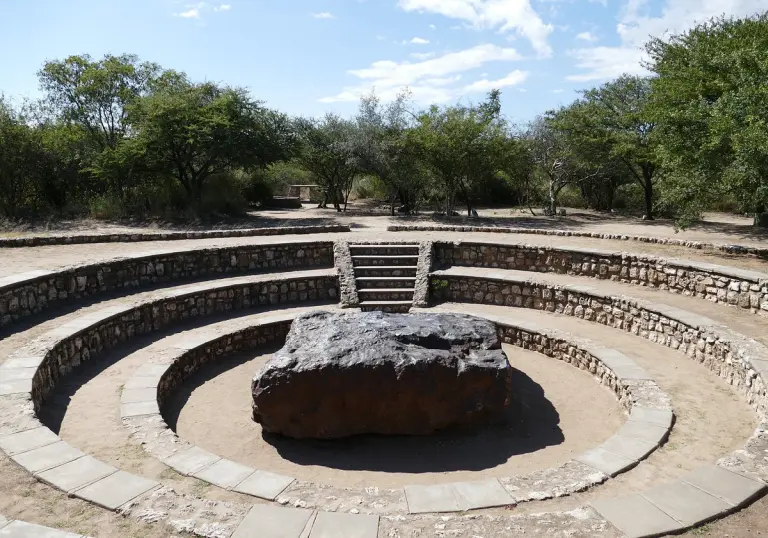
(506, 15)
(430, 80)
(419, 41)
(196, 11)
(432, 27)
(636, 25)
(484, 85)
(559, 90)
(587, 36)
(422, 55)
(324, 15)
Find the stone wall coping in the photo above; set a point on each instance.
(719, 270)
(697, 245)
(125, 237)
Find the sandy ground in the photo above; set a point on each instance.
(546, 426)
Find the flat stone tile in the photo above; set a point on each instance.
(76, 474)
(139, 409)
(607, 462)
(629, 447)
(643, 430)
(22, 529)
(635, 516)
(264, 485)
(16, 443)
(19, 386)
(46, 457)
(425, 499)
(115, 490)
(481, 494)
(23, 361)
(267, 521)
(16, 374)
(130, 396)
(733, 488)
(687, 504)
(631, 373)
(339, 525)
(191, 460)
(657, 417)
(225, 474)
(151, 370)
(142, 382)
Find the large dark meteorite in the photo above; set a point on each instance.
(342, 374)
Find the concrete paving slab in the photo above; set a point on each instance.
(115, 490)
(191, 460)
(266, 521)
(733, 488)
(19, 386)
(635, 516)
(23, 360)
(481, 494)
(16, 443)
(264, 485)
(658, 417)
(76, 474)
(138, 395)
(16, 374)
(437, 498)
(151, 370)
(47, 457)
(686, 503)
(607, 462)
(338, 525)
(139, 409)
(645, 431)
(142, 382)
(22, 529)
(629, 447)
(225, 474)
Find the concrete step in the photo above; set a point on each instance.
(386, 294)
(364, 282)
(388, 260)
(392, 249)
(386, 306)
(365, 271)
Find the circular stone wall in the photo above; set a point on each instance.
(559, 411)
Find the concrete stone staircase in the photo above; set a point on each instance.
(385, 275)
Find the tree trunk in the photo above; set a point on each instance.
(552, 198)
(648, 187)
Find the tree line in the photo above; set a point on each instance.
(117, 136)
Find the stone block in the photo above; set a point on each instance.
(191, 460)
(139, 409)
(264, 485)
(115, 490)
(426, 499)
(629, 447)
(657, 417)
(22, 529)
(719, 482)
(685, 503)
(645, 431)
(16, 443)
(635, 516)
(46, 457)
(481, 494)
(606, 462)
(130, 396)
(267, 521)
(224, 473)
(76, 474)
(339, 525)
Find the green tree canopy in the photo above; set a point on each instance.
(710, 101)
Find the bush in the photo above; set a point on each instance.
(369, 188)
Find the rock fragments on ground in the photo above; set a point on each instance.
(350, 373)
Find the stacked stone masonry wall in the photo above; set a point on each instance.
(67, 353)
(42, 240)
(35, 294)
(729, 359)
(744, 289)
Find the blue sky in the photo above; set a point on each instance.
(311, 56)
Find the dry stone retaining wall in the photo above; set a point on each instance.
(41, 240)
(106, 329)
(698, 245)
(719, 284)
(739, 361)
(30, 293)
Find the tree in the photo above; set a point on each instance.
(192, 132)
(465, 146)
(710, 101)
(328, 151)
(384, 148)
(21, 153)
(555, 158)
